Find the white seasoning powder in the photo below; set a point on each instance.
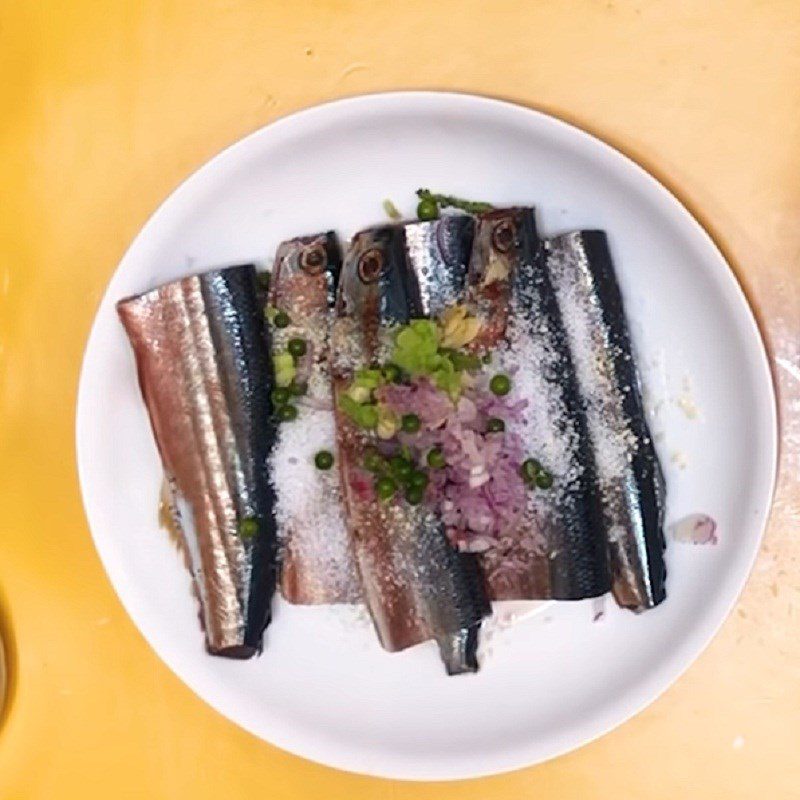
(309, 510)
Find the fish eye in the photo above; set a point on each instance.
(369, 266)
(312, 259)
(503, 236)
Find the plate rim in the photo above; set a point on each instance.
(469, 102)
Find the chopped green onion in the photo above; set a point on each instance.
(391, 210)
(391, 372)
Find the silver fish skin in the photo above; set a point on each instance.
(438, 251)
(202, 357)
(632, 485)
(415, 584)
(559, 550)
(317, 564)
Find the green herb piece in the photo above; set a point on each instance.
(323, 459)
(463, 362)
(363, 414)
(448, 201)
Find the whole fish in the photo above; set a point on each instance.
(631, 481)
(416, 586)
(439, 251)
(202, 356)
(317, 564)
(559, 551)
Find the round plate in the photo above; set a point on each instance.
(323, 688)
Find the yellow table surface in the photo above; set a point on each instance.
(106, 106)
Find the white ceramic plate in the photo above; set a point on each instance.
(323, 688)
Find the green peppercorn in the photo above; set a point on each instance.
(248, 527)
(544, 480)
(373, 460)
(410, 423)
(436, 458)
(323, 459)
(427, 209)
(280, 396)
(530, 469)
(418, 479)
(495, 425)
(401, 467)
(392, 373)
(297, 347)
(500, 384)
(287, 413)
(414, 495)
(385, 487)
(282, 320)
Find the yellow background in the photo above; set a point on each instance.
(106, 106)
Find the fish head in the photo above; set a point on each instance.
(497, 248)
(438, 251)
(378, 283)
(306, 272)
